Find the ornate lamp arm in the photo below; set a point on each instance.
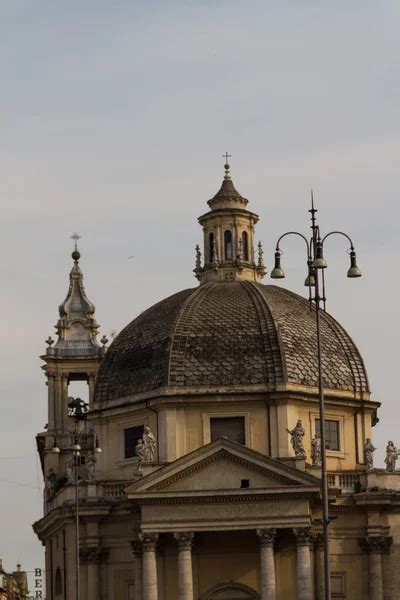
(339, 233)
(353, 271)
(277, 272)
(298, 234)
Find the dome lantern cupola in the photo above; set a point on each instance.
(229, 248)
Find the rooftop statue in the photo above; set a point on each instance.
(149, 442)
(369, 450)
(316, 450)
(296, 439)
(391, 456)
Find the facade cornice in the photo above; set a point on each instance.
(222, 212)
(63, 515)
(180, 397)
(377, 500)
(217, 497)
(55, 364)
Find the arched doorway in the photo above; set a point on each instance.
(231, 591)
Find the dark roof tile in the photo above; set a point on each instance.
(224, 334)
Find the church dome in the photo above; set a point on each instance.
(219, 335)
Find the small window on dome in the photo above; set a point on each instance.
(332, 441)
(132, 436)
(228, 244)
(232, 428)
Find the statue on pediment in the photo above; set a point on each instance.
(139, 450)
(296, 439)
(149, 443)
(316, 450)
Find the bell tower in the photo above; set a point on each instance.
(229, 248)
(75, 356)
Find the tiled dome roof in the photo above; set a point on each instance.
(228, 334)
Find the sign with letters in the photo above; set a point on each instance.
(38, 588)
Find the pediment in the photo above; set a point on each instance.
(223, 465)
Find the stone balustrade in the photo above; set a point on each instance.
(350, 482)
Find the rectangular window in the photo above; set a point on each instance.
(332, 441)
(132, 436)
(232, 428)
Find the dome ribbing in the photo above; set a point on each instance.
(224, 335)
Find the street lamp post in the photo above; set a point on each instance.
(316, 264)
(78, 410)
(76, 453)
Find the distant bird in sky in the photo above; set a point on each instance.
(130, 257)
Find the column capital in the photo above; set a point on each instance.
(376, 544)
(137, 547)
(149, 541)
(318, 539)
(184, 539)
(267, 536)
(303, 536)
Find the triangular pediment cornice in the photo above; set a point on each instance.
(223, 450)
(224, 455)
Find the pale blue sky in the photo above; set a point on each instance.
(114, 117)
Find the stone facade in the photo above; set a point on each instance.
(208, 517)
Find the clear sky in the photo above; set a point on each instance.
(114, 117)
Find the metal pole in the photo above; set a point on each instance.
(77, 574)
(324, 478)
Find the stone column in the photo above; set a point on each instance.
(58, 420)
(138, 553)
(304, 581)
(51, 394)
(150, 589)
(91, 385)
(268, 578)
(93, 581)
(92, 556)
(376, 546)
(319, 566)
(185, 540)
(64, 402)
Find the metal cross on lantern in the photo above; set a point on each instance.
(76, 238)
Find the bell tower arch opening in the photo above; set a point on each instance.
(228, 252)
(245, 246)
